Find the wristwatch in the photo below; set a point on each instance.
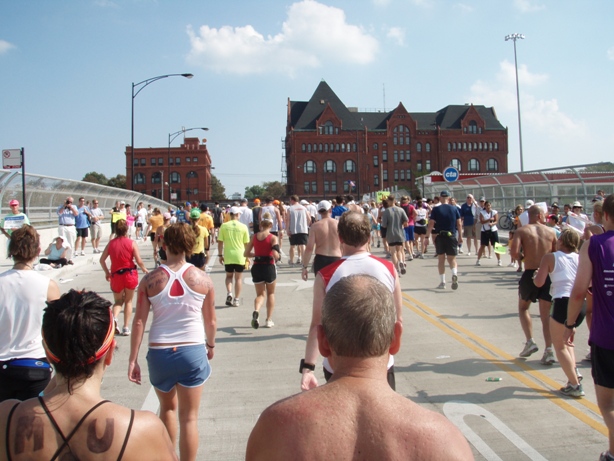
(304, 365)
(571, 327)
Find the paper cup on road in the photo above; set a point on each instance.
(500, 249)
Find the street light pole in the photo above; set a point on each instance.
(139, 87)
(515, 37)
(171, 138)
(162, 184)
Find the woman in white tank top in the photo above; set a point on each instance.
(562, 266)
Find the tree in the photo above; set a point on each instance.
(603, 166)
(254, 192)
(218, 191)
(118, 181)
(96, 178)
(274, 189)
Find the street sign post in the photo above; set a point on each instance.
(450, 174)
(15, 159)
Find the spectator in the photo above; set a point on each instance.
(56, 252)
(14, 220)
(96, 227)
(82, 225)
(66, 219)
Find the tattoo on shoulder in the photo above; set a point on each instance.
(29, 428)
(100, 444)
(156, 279)
(197, 278)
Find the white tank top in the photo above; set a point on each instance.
(563, 274)
(177, 319)
(271, 210)
(23, 295)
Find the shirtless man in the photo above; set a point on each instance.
(531, 243)
(324, 237)
(372, 421)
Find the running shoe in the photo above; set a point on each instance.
(403, 268)
(548, 357)
(229, 300)
(499, 263)
(255, 322)
(117, 330)
(460, 250)
(454, 282)
(579, 375)
(529, 348)
(420, 256)
(478, 263)
(269, 323)
(512, 264)
(125, 331)
(442, 286)
(606, 456)
(572, 391)
(468, 253)
(378, 243)
(236, 302)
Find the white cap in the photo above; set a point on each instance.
(324, 205)
(304, 202)
(529, 203)
(235, 210)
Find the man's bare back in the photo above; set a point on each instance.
(342, 419)
(535, 240)
(325, 237)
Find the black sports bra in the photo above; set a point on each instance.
(73, 432)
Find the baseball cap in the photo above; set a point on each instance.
(482, 199)
(14, 202)
(195, 213)
(256, 200)
(554, 205)
(324, 205)
(166, 215)
(577, 204)
(188, 204)
(444, 193)
(275, 202)
(304, 202)
(234, 210)
(529, 203)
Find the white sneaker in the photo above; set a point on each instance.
(269, 323)
(529, 348)
(478, 263)
(83, 253)
(512, 264)
(236, 302)
(460, 250)
(499, 263)
(468, 254)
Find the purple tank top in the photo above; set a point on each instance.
(601, 254)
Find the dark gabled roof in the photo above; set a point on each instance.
(303, 115)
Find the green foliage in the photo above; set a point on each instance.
(254, 192)
(603, 166)
(118, 181)
(218, 191)
(274, 188)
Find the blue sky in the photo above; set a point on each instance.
(67, 68)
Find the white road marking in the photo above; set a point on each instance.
(456, 411)
(151, 402)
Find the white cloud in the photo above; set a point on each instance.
(397, 34)
(543, 116)
(312, 35)
(5, 46)
(528, 6)
(610, 53)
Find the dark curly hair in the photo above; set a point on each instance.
(74, 328)
(24, 245)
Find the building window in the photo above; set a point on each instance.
(473, 127)
(492, 165)
(333, 187)
(195, 159)
(428, 146)
(375, 180)
(396, 175)
(496, 146)
(175, 178)
(171, 161)
(326, 187)
(160, 161)
(346, 186)
(156, 178)
(330, 166)
(177, 160)
(303, 148)
(408, 156)
(402, 175)
(320, 147)
(418, 147)
(375, 146)
(469, 147)
(315, 147)
(337, 147)
(143, 162)
(139, 178)
(428, 165)
(342, 147)
(408, 174)
(332, 147)
(385, 175)
(153, 161)
(309, 167)
(400, 135)
(402, 156)
(375, 160)
(490, 146)
(325, 147)
(395, 156)
(349, 166)
(456, 163)
(384, 156)
(187, 159)
(136, 162)
(306, 187)
(449, 147)
(419, 166)
(314, 187)
(328, 127)
(195, 191)
(465, 146)
(309, 148)
(474, 165)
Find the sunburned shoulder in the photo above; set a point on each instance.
(198, 280)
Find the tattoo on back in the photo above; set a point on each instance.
(102, 444)
(29, 427)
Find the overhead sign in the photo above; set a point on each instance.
(11, 158)
(450, 174)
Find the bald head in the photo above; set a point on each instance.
(536, 214)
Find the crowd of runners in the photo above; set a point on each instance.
(566, 259)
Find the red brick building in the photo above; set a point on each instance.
(333, 149)
(160, 171)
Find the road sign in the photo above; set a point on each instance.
(450, 174)
(11, 158)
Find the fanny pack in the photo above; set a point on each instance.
(31, 363)
(262, 259)
(422, 222)
(123, 271)
(445, 234)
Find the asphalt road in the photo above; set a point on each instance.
(453, 341)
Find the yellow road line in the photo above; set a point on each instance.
(490, 352)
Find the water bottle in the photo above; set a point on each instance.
(493, 380)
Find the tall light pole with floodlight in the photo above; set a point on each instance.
(171, 138)
(515, 37)
(139, 87)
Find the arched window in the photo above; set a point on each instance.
(428, 146)
(400, 135)
(349, 166)
(309, 148)
(156, 178)
(474, 165)
(303, 147)
(139, 178)
(473, 127)
(330, 166)
(328, 127)
(342, 147)
(175, 178)
(492, 165)
(449, 147)
(418, 147)
(309, 166)
(320, 147)
(337, 147)
(496, 146)
(456, 163)
(325, 147)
